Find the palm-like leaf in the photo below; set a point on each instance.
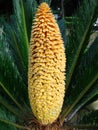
(82, 64)
(80, 35)
(14, 60)
(82, 73)
(5, 115)
(92, 117)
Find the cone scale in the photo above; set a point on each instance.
(46, 68)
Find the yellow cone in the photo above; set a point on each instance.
(46, 69)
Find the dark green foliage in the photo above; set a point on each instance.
(8, 69)
(82, 64)
(5, 115)
(88, 67)
(62, 26)
(47, 1)
(89, 117)
(80, 34)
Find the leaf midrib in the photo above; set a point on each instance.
(71, 70)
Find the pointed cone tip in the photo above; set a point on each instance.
(44, 7)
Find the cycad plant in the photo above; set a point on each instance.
(32, 64)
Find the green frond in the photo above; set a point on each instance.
(82, 67)
(86, 64)
(85, 119)
(30, 7)
(90, 117)
(5, 115)
(89, 97)
(8, 123)
(21, 20)
(18, 33)
(9, 107)
(87, 80)
(14, 57)
(10, 117)
(79, 35)
(15, 45)
(9, 74)
(13, 49)
(4, 126)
